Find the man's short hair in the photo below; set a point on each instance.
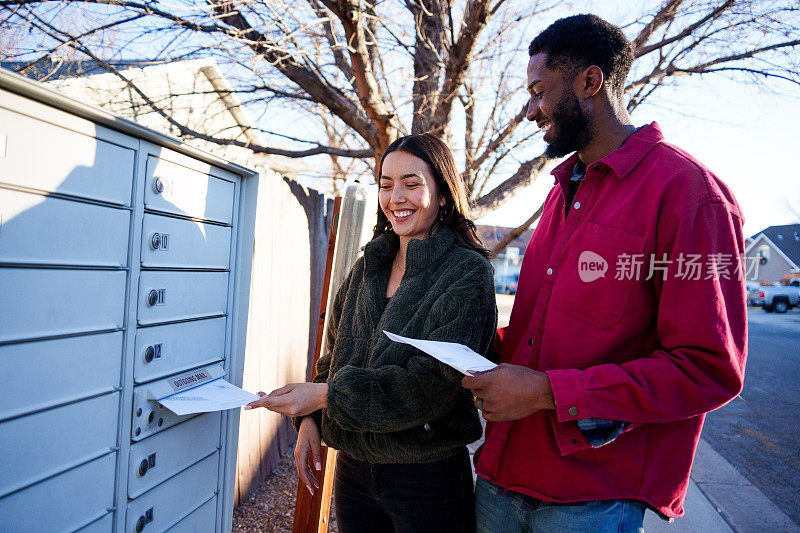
(574, 43)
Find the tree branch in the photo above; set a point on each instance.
(476, 16)
(376, 109)
(688, 30)
(517, 232)
(663, 16)
(307, 79)
(524, 176)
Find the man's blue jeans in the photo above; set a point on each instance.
(500, 510)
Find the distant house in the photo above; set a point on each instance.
(774, 252)
(195, 93)
(507, 264)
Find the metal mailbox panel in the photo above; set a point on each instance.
(174, 499)
(65, 502)
(173, 188)
(174, 243)
(202, 519)
(47, 443)
(38, 375)
(165, 350)
(181, 295)
(75, 164)
(48, 302)
(35, 229)
(104, 525)
(161, 456)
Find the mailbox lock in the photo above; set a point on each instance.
(155, 241)
(143, 466)
(149, 354)
(152, 298)
(158, 185)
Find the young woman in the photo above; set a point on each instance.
(401, 419)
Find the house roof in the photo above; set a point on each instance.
(72, 75)
(786, 238)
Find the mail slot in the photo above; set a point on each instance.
(173, 188)
(74, 164)
(168, 296)
(165, 350)
(174, 243)
(44, 374)
(149, 417)
(200, 518)
(161, 456)
(36, 446)
(68, 301)
(54, 504)
(168, 503)
(41, 230)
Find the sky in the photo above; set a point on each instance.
(747, 136)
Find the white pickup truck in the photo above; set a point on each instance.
(779, 298)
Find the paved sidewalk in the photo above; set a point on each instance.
(720, 499)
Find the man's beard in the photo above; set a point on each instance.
(571, 127)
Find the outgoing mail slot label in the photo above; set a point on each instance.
(193, 379)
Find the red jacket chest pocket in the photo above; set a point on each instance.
(596, 273)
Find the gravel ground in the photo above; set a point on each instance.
(270, 508)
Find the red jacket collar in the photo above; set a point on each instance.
(622, 160)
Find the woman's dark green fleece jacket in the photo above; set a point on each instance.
(389, 402)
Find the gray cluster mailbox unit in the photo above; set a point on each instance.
(125, 262)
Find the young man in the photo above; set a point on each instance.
(629, 322)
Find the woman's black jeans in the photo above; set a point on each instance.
(416, 497)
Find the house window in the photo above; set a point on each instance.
(763, 254)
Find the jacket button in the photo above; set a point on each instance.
(549, 271)
(426, 427)
(573, 411)
(577, 205)
(530, 342)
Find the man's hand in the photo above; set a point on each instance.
(294, 399)
(510, 392)
(309, 443)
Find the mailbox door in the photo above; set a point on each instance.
(104, 525)
(75, 164)
(165, 350)
(199, 520)
(174, 243)
(39, 375)
(41, 230)
(173, 500)
(174, 188)
(41, 445)
(161, 456)
(53, 504)
(45, 302)
(169, 296)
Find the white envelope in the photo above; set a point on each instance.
(458, 356)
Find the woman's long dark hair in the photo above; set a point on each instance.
(455, 212)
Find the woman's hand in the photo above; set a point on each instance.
(308, 442)
(294, 399)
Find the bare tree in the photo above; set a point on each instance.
(366, 71)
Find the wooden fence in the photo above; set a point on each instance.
(291, 236)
